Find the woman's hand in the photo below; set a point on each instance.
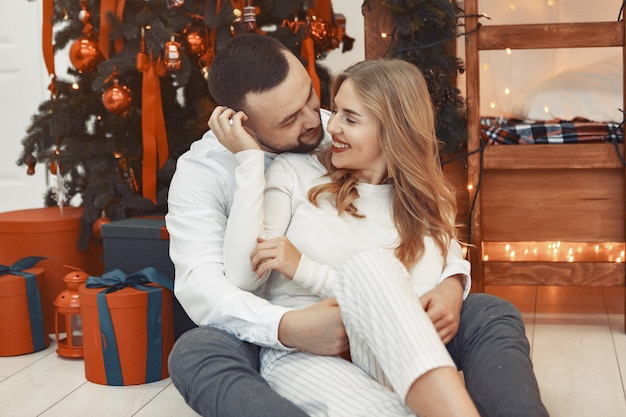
(275, 254)
(227, 125)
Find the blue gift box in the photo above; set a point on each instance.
(139, 242)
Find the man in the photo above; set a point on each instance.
(215, 367)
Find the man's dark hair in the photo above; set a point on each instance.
(247, 63)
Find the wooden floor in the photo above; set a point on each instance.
(578, 349)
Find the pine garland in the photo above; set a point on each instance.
(423, 33)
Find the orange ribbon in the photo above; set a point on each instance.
(154, 136)
(323, 9)
(107, 6)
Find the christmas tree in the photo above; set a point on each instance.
(135, 96)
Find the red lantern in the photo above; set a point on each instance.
(67, 318)
(172, 56)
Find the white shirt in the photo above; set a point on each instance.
(200, 198)
(324, 238)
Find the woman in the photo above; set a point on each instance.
(368, 220)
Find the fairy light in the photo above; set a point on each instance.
(507, 91)
(75, 86)
(508, 51)
(492, 104)
(556, 251)
(512, 6)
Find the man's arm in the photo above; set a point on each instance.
(443, 306)
(443, 303)
(322, 319)
(198, 205)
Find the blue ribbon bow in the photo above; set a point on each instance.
(32, 295)
(116, 280)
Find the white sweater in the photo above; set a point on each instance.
(324, 238)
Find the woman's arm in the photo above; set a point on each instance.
(245, 220)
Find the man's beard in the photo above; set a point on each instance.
(299, 147)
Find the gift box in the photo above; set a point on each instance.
(128, 330)
(21, 310)
(139, 242)
(45, 232)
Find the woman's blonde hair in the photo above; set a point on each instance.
(423, 202)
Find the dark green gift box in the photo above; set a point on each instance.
(139, 242)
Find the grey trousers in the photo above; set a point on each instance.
(217, 374)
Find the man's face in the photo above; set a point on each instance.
(287, 117)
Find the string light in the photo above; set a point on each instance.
(556, 251)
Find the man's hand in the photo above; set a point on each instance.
(443, 306)
(227, 125)
(316, 329)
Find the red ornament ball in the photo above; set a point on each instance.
(97, 226)
(85, 55)
(117, 98)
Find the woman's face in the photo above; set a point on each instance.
(354, 130)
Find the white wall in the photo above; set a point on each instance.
(337, 60)
(23, 82)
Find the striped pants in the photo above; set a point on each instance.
(392, 343)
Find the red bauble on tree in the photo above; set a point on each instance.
(85, 55)
(84, 52)
(97, 225)
(196, 39)
(117, 98)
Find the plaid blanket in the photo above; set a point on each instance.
(499, 130)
